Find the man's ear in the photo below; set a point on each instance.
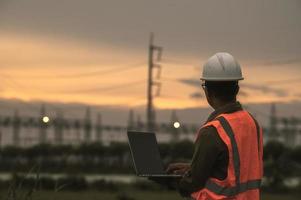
(209, 96)
(209, 93)
(237, 89)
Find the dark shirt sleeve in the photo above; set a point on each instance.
(209, 148)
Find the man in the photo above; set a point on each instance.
(227, 160)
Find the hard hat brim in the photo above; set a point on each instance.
(221, 79)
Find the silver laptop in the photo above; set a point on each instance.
(146, 156)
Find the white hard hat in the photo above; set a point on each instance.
(222, 67)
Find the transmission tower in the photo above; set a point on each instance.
(174, 121)
(131, 122)
(43, 126)
(150, 112)
(16, 128)
(99, 128)
(273, 131)
(87, 126)
(59, 128)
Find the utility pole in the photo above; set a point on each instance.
(43, 126)
(58, 128)
(139, 124)
(0, 138)
(273, 131)
(131, 122)
(87, 126)
(150, 112)
(16, 128)
(99, 128)
(175, 124)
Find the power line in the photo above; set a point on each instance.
(285, 81)
(97, 89)
(15, 85)
(87, 74)
(99, 72)
(104, 89)
(170, 79)
(172, 97)
(178, 62)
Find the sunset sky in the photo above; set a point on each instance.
(95, 51)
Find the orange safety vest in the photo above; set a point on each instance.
(243, 137)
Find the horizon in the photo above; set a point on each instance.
(119, 115)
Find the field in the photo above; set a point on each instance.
(123, 195)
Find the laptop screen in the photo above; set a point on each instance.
(145, 153)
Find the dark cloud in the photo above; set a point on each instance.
(243, 93)
(196, 95)
(298, 95)
(254, 30)
(199, 95)
(285, 81)
(245, 86)
(265, 89)
(282, 62)
(191, 82)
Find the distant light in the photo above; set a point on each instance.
(177, 124)
(45, 119)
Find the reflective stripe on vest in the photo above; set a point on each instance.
(239, 187)
(258, 132)
(232, 191)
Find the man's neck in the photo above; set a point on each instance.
(220, 104)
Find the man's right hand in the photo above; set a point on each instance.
(178, 168)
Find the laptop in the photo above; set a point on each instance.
(146, 156)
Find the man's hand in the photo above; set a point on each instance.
(178, 168)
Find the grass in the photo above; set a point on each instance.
(125, 195)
